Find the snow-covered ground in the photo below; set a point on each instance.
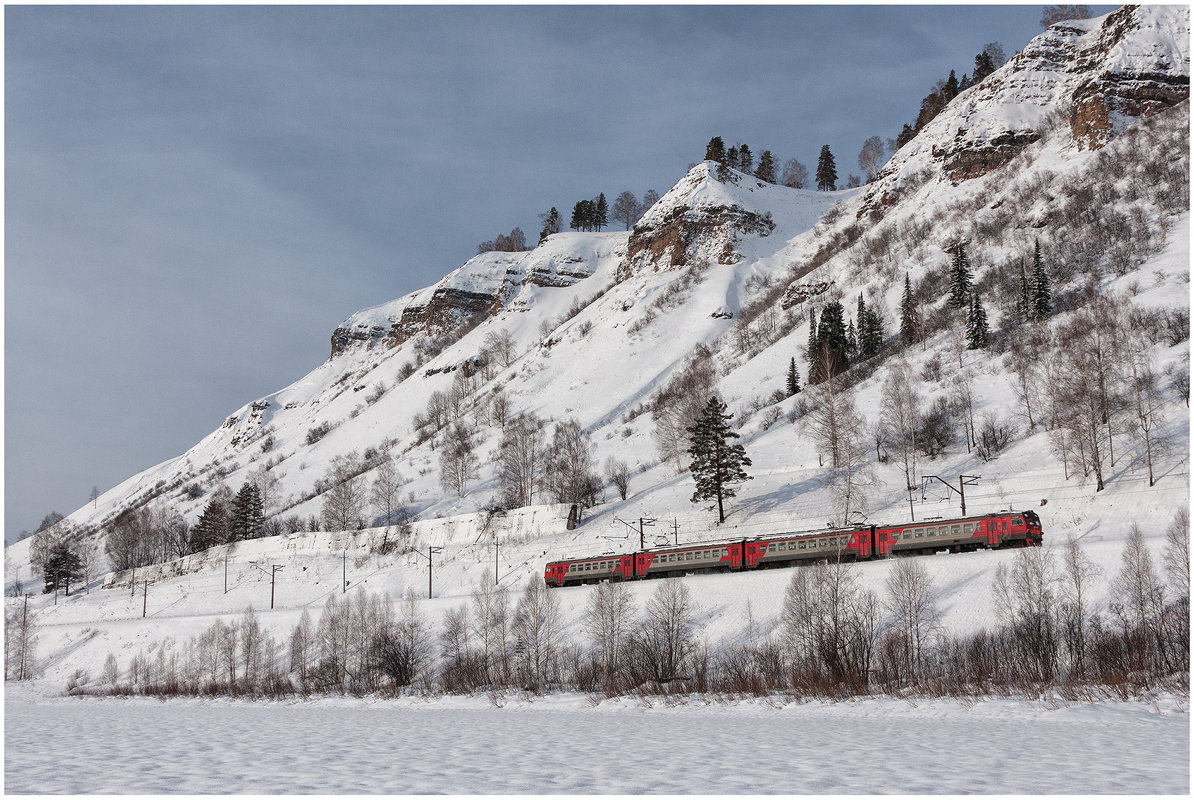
(572, 744)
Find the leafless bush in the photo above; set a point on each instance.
(993, 436)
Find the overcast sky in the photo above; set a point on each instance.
(197, 196)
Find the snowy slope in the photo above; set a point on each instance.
(598, 329)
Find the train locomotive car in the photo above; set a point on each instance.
(1003, 529)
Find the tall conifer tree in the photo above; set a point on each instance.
(715, 150)
(716, 461)
(959, 278)
(977, 331)
(793, 382)
(1042, 296)
(766, 168)
(909, 314)
(826, 170)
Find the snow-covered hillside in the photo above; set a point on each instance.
(596, 324)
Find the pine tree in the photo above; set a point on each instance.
(600, 212)
(793, 382)
(715, 150)
(907, 134)
(870, 330)
(909, 314)
(246, 518)
(551, 224)
(213, 526)
(1042, 299)
(62, 567)
(716, 462)
(578, 216)
(959, 278)
(826, 171)
(951, 86)
(732, 157)
(830, 350)
(984, 65)
(977, 330)
(746, 159)
(766, 168)
(811, 351)
(851, 341)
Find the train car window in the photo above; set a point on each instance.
(956, 530)
(1017, 521)
(822, 543)
(920, 532)
(771, 547)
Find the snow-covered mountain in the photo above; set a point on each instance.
(1091, 119)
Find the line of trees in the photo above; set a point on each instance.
(834, 637)
(989, 59)
(739, 157)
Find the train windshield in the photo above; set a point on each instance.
(1032, 519)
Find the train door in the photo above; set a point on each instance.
(866, 542)
(992, 532)
(880, 542)
(736, 555)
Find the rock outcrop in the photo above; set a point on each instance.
(700, 221)
(1097, 75)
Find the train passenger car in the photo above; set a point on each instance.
(1003, 529)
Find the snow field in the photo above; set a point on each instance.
(573, 744)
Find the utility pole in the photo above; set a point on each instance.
(24, 636)
(132, 585)
(272, 572)
(963, 482)
(642, 539)
(676, 531)
(430, 551)
(225, 572)
(145, 599)
(911, 510)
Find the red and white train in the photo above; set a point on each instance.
(1002, 529)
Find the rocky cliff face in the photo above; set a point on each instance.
(699, 221)
(1096, 74)
(481, 288)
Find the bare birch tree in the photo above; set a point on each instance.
(901, 417)
(914, 610)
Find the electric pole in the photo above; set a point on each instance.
(272, 572)
(145, 599)
(963, 482)
(642, 539)
(430, 551)
(24, 636)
